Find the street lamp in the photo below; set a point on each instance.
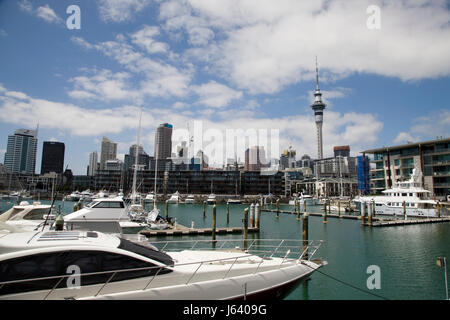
(442, 262)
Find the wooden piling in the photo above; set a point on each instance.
(167, 209)
(363, 212)
(214, 223)
(339, 208)
(438, 208)
(325, 213)
(373, 208)
(371, 215)
(404, 210)
(204, 209)
(228, 213)
(252, 215)
(329, 206)
(257, 215)
(298, 209)
(305, 236)
(245, 227)
(278, 208)
(304, 205)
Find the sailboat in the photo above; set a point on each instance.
(153, 218)
(136, 210)
(212, 197)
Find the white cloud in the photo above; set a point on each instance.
(360, 131)
(145, 39)
(48, 14)
(265, 45)
(44, 12)
(26, 6)
(3, 33)
(216, 95)
(435, 125)
(120, 10)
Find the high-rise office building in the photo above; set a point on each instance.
(20, 156)
(318, 106)
(163, 141)
(108, 152)
(93, 163)
(52, 157)
(255, 158)
(143, 158)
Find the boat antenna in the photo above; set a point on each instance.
(49, 211)
(133, 192)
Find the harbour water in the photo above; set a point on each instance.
(406, 255)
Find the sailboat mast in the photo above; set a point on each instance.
(156, 171)
(133, 192)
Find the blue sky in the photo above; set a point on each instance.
(231, 64)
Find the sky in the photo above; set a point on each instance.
(242, 65)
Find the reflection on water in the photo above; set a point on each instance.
(406, 255)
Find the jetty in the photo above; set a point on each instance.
(182, 230)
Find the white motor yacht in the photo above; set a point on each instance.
(91, 265)
(74, 196)
(234, 201)
(190, 199)
(105, 210)
(407, 196)
(28, 217)
(150, 197)
(211, 199)
(175, 198)
(303, 198)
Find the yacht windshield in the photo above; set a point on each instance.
(146, 252)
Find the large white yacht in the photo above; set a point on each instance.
(175, 198)
(303, 198)
(150, 197)
(92, 265)
(26, 216)
(408, 193)
(103, 210)
(190, 199)
(211, 199)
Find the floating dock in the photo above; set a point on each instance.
(400, 222)
(182, 230)
(319, 214)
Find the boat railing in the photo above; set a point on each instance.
(265, 252)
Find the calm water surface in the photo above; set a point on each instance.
(406, 255)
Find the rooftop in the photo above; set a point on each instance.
(408, 145)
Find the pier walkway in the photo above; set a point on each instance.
(182, 230)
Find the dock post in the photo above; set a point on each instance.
(325, 206)
(373, 208)
(305, 236)
(339, 208)
(297, 205)
(228, 213)
(214, 223)
(204, 209)
(329, 206)
(363, 211)
(438, 208)
(167, 209)
(278, 208)
(245, 227)
(404, 210)
(371, 214)
(304, 205)
(252, 215)
(257, 214)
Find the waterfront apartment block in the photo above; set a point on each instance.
(391, 164)
(220, 182)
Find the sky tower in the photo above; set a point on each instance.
(318, 107)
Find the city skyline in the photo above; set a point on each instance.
(186, 60)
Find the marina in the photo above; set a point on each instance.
(342, 238)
